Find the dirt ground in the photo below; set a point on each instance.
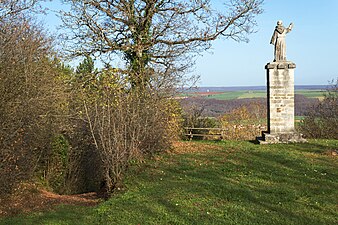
(28, 198)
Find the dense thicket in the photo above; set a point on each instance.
(118, 124)
(31, 99)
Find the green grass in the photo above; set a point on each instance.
(311, 93)
(239, 183)
(299, 118)
(253, 94)
(229, 95)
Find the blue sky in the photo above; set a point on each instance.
(312, 45)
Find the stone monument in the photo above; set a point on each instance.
(280, 93)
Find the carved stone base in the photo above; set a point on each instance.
(290, 137)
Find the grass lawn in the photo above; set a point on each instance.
(228, 182)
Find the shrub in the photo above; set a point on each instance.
(322, 120)
(120, 123)
(244, 123)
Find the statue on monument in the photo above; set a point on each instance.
(278, 40)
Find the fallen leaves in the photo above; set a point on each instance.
(29, 198)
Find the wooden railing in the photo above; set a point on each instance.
(189, 132)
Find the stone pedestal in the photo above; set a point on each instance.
(281, 106)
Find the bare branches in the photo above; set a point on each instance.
(14, 7)
(30, 93)
(153, 30)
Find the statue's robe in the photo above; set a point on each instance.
(278, 40)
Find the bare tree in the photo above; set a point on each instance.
(13, 7)
(156, 38)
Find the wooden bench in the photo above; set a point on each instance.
(190, 132)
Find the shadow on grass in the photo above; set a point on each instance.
(241, 184)
(270, 185)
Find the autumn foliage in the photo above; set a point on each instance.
(31, 97)
(321, 121)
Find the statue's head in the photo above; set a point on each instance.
(279, 23)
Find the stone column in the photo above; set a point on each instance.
(280, 83)
(281, 106)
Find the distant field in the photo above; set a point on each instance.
(254, 94)
(311, 93)
(229, 95)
